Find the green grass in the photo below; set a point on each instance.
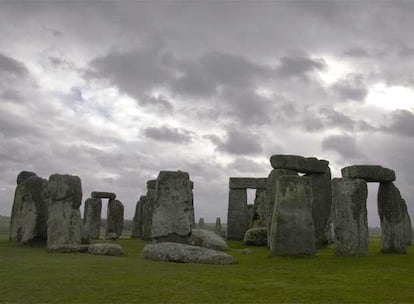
(31, 275)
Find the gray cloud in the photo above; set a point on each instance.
(357, 52)
(345, 145)
(402, 123)
(299, 66)
(352, 87)
(12, 67)
(168, 134)
(337, 119)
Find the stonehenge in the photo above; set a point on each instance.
(115, 219)
(92, 217)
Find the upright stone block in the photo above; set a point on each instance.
(237, 214)
(115, 219)
(321, 205)
(64, 224)
(259, 208)
(201, 223)
(137, 220)
(30, 210)
(148, 202)
(92, 218)
(349, 216)
(393, 219)
(408, 230)
(172, 216)
(218, 229)
(292, 231)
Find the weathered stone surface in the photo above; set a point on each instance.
(270, 194)
(201, 223)
(237, 214)
(172, 218)
(64, 223)
(207, 239)
(24, 175)
(151, 184)
(299, 163)
(182, 253)
(256, 237)
(408, 230)
(251, 215)
(29, 212)
(115, 218)
(106, 249)
(218, 229)
(67, 248)
(292, 231)
(148, 202)
(369, 173)
(101, 194)
(92, 218)
(259, 209)
(321, 205)
(137, 221)
(247, 182)
(349, 216)
(393, 219)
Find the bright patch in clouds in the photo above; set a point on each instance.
(335, 69)
(391, 98)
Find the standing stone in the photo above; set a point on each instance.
(271, 194)
(201, 223)
(137, 220)
(292, 231)
(393, 219)
(349, 216)
(29, 213)
(218, 229)
(115, 219)
(172, 214)
(251, 214)
(321, 205)
(92, 218)
(192, 204)
(259, 209)
(408, 230)
(64, 224)
(148, 202)
(237, 214)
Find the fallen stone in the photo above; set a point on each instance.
(115, 218)
(349, 216)
(369, 173)
(247, 182)
(207, 239)
(391, 210)
(99, 194)
(299, 163)
(106, 249)
(256, 237)
(92, 218)
(182, 253)
(292, 230)
(67, 248)
(172, 218)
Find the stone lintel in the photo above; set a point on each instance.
(247, 182)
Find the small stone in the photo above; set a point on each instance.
(256, 237)
(207, 239)
(100, 194)
(182, 253)
(369, 173)
(298, 163)
(106, 249)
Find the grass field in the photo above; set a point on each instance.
(31, 275)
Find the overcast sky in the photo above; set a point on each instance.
(116, 91)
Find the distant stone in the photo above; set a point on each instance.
(392, 212)
(92, 218)
(64, 224)
(298, 163)
(67, 248)
(201, 223)
(182, 253)
(98, 194)
(137, 221)
(106, 249)
(408, 230)
(349, 216)
(247, 182)
(256, 237)
(237, 214)
(292, 230)
(207, 239)
(30, 211)
(369, 173)
(218, 228)
(24, 175)
(115, 218)
(172, 217)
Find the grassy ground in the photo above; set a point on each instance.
(31, 275)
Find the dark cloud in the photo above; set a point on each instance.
(299, 66)
(402, 123)
(352, 87)
(168, 134)
(312, 123)
(12, 67)
(345, 145)
(336, 119)
(238, 142)
(357, 52)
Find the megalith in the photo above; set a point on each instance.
(408, 230)
(369, 173)
(349, 216)
(201, 223)
(292, 230)
(137, 220)
(298, 163)
(172, 215)
(392, 213)
(64, 223)
(115, 219)
(29, 212)
(92, 218)
(259, 208)
(148, 202)
(218, 229)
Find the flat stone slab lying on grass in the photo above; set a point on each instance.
(369, 173)
(106, 249)
(299, 163)
(181, 253)
(207, 239)
(100, 194)
(67, 248)
(256, 237)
